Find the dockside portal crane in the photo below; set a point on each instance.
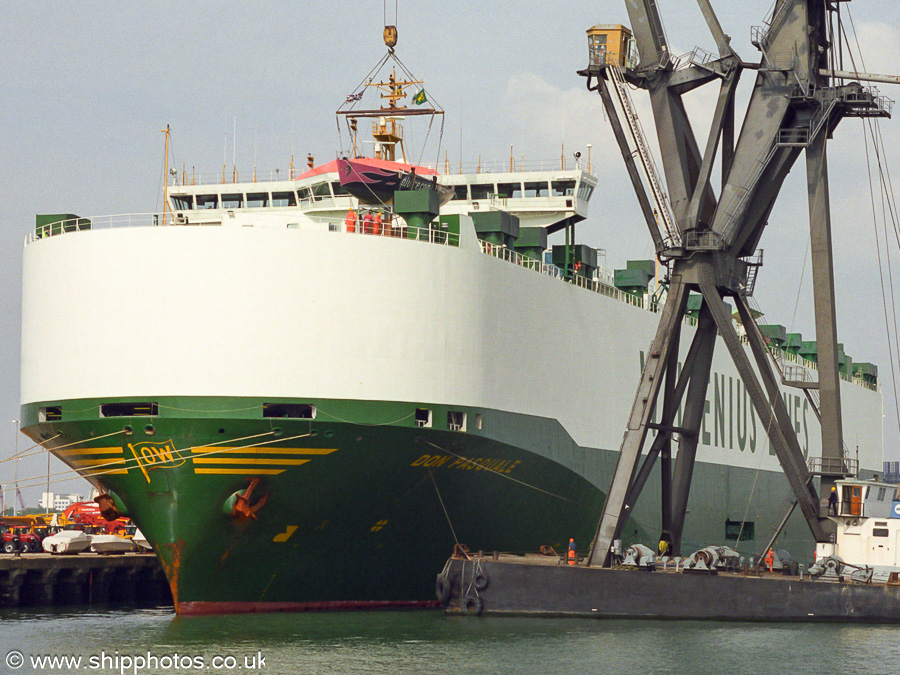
(709, 240)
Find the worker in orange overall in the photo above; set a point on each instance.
(376, 225)
(770, 560)
(351, 221)
(573, 556)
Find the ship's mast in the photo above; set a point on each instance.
(709, 241)
(165, 221)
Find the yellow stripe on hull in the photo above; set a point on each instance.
(248, 460)
(95, 463)
(209, 449)
(268, 472)
(88, 451)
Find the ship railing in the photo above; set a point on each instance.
(510, 255)
(77, 224)
(398, 231)
(510, 165)
(600, 283)
(832, 466)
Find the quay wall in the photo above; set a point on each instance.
(44, 580)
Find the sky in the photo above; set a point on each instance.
(86, 88)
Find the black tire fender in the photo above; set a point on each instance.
(472, 604)
(442, 589)
(481, 581)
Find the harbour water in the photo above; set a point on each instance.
(429, 642)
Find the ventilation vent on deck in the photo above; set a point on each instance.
(142, 409)
(302, 411)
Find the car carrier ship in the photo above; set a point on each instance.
(302, 409)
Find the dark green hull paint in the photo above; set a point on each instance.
(370, 526)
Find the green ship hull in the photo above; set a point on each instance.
(339, 514)
(360, 506)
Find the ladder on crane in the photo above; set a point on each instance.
(672, 236)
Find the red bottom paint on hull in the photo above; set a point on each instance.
(206, 608)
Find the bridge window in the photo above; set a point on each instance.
(483, 191)
(130, 409)
(207, 201)
(461, 192)
(232, 201)
(509, 189)
(257, 200)
(284, 199)
(302, 411)
(321, 191)
(584, 192)
(183, 202)
(338, 189)
(537, 189)
(563, 188)
(305, 195)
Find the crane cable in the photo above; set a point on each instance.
(887, 196)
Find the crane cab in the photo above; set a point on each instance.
(609, 44)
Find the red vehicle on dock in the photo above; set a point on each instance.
(23, 538)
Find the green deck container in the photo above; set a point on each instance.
(496, 227)
(418, 208)
(631, 281)
(532, 242)
(809, 350)
(867, 371)
(49, 224)
(583, 259)
(776, 333)
(793, 342)
(648, 266)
